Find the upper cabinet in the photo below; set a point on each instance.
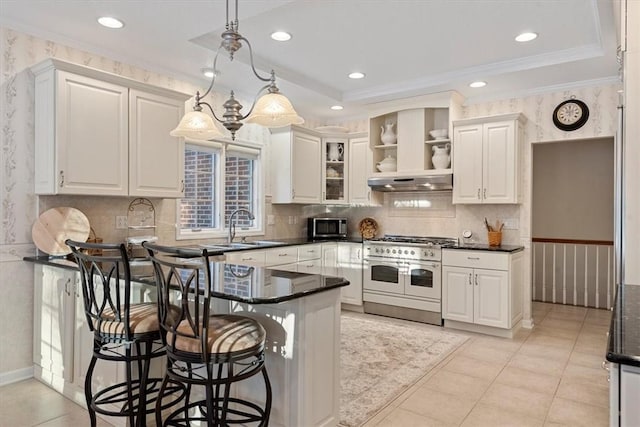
(312, 167)
(401, 137)
(335, 173)
(296, 156)
(101, 134)
(487, 159)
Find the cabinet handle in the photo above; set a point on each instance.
(470, 283)
(247, 258)
(61, 179)
(484, 194)
(182, 186)
(368, 195)
(324, 195)
(293, 194)
(358, 253)
(473, 257)
(605, 365)
(282, 254)
(476, 280)
(66, 287)
(478, 194)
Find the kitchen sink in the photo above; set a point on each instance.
(240, 245)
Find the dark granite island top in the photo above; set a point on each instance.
(252, 285)
(624, 332)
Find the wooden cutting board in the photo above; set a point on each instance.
(55, 226)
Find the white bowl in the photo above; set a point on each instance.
(386, 167)
(438, 133)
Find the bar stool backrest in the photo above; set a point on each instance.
(185, 275)
(106, 287)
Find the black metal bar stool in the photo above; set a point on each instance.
(214, 351)
(123, 331)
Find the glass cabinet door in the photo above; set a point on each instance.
(335, 171)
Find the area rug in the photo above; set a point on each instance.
(381, 357)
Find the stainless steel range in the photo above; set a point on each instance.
(402, 277)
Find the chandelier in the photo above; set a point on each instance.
(272, 109)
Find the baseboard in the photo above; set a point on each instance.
(15, 376)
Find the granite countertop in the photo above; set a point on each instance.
(624, 332)
(486, 247)
(252, 285)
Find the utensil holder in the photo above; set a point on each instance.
(495, 238)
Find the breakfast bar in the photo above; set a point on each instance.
(300, 313)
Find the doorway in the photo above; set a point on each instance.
(572, 222)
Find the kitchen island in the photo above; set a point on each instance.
(300, 312)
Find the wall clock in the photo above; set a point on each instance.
(570, 115)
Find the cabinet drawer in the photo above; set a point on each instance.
(257, 258)
(309, 252)
(280, 256)
(313, 266)
(476, 259)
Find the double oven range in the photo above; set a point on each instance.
(402, 277)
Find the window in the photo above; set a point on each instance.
(218, 181)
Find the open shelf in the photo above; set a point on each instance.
(387, 146)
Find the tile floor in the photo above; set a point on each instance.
(550, 376)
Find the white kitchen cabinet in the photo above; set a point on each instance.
(482, 288)
(624, 395)
(330, 259)
(360, 158)
(486, 159)
(296, 163)
(350, 267)
(335, 173)
(81, 134)
(281, 255)
(156, 159)
(413, 118)
(101, 134)
(54, 308)
(256, 258)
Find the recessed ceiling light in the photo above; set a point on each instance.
(477, 84)
(526, 37)
(208, 72)
(356, 75)
(110, 22)
(337, 107)
(281, 36)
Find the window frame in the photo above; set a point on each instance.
(223, 148)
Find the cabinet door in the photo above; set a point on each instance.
(499, 161)
(467, 164)
(330, 259)
(359, 161)
(491, 298)
(53, 320)
(457, 293)
(350, 267)
(305, 168)
(91, 136)
(334, 171)
(156, 159)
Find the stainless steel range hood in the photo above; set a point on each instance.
(412, 183)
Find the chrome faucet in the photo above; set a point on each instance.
(232, 224)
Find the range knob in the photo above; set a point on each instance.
(406, 251)
(413, 252)
(394, 251)
(431, 253)
(388, 251)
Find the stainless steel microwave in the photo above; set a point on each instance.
(326, 228)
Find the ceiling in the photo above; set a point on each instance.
(405, 47)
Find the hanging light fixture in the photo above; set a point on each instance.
(271, 109)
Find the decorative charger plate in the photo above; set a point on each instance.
(55, 226)
(368, 228)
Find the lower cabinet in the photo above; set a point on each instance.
(54, 309)
(624, 393)
(482, 288)
(350, 267)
